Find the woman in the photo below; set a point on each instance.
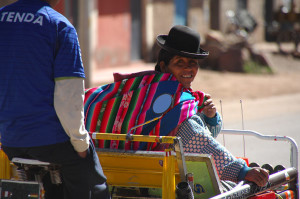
(176, 58)
(179, 55)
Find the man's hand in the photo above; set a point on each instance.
(82, 154)
(258, 175)
(209, 107)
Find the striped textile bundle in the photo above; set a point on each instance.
(117, 107)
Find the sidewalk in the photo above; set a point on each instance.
(279, 64)
(105, 75)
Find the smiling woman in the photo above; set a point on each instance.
(179, 55)
(183, 68)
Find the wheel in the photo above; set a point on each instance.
(278, 168)
(268, 167)
(253, 164)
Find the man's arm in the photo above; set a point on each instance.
(68, 104)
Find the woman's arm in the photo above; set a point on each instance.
(214, 124)
(196, 138)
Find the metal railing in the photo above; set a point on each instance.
(294, 146)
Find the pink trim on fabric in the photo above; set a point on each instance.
(119, 76)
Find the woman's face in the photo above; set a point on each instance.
(183, 68)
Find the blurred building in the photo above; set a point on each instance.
(115, 33)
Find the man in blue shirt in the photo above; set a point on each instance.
(42, 93)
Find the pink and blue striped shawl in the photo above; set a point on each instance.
(117, 107)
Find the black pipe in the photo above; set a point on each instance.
(184, 191)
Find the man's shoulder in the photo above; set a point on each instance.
(55, 15)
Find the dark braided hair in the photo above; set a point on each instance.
(164, 56)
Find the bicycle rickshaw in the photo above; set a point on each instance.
(119, 131)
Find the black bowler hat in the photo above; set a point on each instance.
(182, 41)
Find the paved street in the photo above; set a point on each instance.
(277, 115)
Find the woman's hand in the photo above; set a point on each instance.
(258, 175)
(209, 107)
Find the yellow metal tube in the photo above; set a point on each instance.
(5, 169)
(2, 165)
(136, 138)
(168, 181)
(8, 168)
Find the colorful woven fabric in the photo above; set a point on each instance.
(117, 107)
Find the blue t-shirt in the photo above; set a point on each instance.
(37, 45)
